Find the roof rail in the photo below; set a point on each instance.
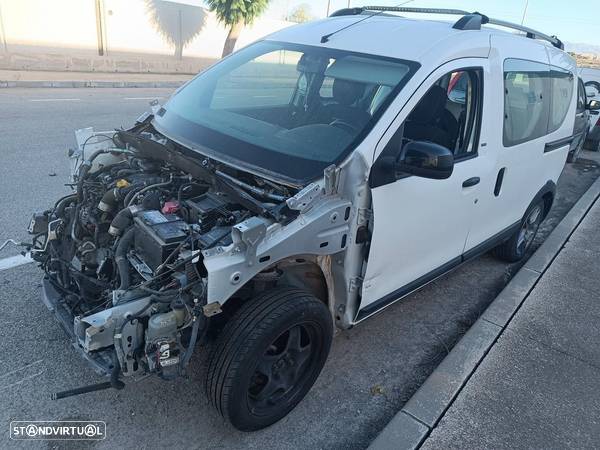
(469, 21)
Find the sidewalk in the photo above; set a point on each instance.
(527, 374)
(27, 78)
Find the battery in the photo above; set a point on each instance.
(157, 235)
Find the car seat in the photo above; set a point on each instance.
(346, 95)
(430, 121)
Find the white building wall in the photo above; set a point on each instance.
(129, 26)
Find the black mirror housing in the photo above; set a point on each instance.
(593, 105)
(426, 160)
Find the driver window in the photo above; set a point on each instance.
(448, 114)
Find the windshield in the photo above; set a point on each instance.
(284, 108)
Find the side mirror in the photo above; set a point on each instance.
(593, 105)
(426, 159)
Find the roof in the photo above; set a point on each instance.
(398, 37)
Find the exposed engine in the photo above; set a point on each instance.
(123, 253)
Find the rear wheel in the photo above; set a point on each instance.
(520, 242)
(268, 357)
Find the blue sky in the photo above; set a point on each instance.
(575, 21)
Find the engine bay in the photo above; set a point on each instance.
(123, 254)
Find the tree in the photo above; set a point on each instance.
(235, 14)
(301, 14)
(178, 23)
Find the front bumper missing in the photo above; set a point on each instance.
(100, 360)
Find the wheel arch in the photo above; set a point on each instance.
(309, 272)
(547, 193)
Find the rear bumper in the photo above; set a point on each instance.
(101, 360)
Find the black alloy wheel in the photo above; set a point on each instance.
(268, 356)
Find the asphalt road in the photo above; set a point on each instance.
(372, 369)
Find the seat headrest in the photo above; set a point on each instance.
(430, 106)
(347, 92)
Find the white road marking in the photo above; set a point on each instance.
(141, 98)
(55, 100)
(27, 366)
(14, 261)
(22, 380)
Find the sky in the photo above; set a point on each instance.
(574, 21)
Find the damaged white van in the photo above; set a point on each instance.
(306, 182)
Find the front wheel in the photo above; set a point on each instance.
(268, 357)
(520, 242)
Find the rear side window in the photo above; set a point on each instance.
(526, 101)
(581, 100)
(536, 100)
(561, 83)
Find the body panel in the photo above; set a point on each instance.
(419, 224)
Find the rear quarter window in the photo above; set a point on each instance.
(537, 98)
(562, 86)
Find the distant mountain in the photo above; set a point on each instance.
(578, 47)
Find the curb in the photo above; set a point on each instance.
(412, 424)
(90, 84)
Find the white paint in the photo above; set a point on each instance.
(55, 100)
(14, 261)
(22, 380)
(419, 224)
(27, 366)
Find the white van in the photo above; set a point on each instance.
(306, 182)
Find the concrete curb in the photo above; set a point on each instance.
(90, 84)
(411, 426)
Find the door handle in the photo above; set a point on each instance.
(471, 182)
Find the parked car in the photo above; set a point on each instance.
(591, 79)
(582, 123)
(306, 182)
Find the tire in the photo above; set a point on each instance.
(515, 248)
(268, 356)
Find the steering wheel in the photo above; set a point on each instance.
(346, 126)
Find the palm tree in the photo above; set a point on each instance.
(235, 14)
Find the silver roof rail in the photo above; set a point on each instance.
(469, 21)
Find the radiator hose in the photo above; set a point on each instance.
(123, 219)
(121, 258)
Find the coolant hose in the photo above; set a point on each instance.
(109, 200)
(121, 258)
(123, 219)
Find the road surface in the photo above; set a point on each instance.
(372, 369)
